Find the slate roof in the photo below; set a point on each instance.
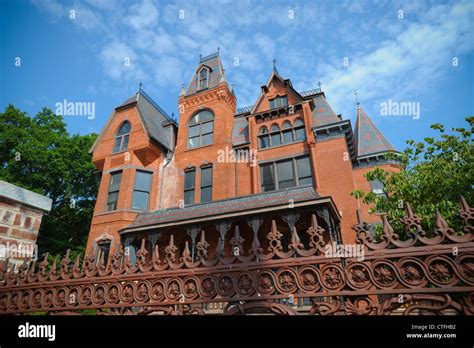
(153, 117)
(323, 114)
(368, 138)
(212, 61)
(240, 132)
(233, 205)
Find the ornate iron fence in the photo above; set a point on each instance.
(421, 273)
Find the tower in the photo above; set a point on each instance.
(206, 117)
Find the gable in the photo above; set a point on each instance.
(275, 87)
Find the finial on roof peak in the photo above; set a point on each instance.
(319, 86)
(139, 86)
(357, 99)
(274, 66)
(183, 91)
(223, 76)
(233, 90)
(218, 50)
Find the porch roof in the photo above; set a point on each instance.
(227, 208)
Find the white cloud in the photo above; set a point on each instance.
(51, 7)
(388, 57)
(408, 64)
(142, 15)
(120, 61)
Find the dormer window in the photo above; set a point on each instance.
(278, 102)
(203, 78)
(121, 139)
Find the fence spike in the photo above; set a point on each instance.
(409, 210)
(186, 252)
(441, 222)
(387, 228)
(52, 270)
(314, 221)
(77, 263)
(464, 206)
(156, 253)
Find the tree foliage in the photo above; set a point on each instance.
(37, 153)
(437, 172)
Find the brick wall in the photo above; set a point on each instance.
(19, 225)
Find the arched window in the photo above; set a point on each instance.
(275, 135)
(201, 129)
(264, 139)
(121, 139)
(203, 78)
(299, 129)
(287, 132)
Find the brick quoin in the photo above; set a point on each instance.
(338, 155)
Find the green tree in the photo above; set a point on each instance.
(38, 153)
(437, 172)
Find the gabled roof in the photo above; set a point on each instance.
(152, 117)
(323, 114)
(216, 73)
(369, 139)
(264, 88)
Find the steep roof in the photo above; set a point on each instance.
(264, 88)
(216, 72)
(152, 116)
(323, 114)
(369, 139)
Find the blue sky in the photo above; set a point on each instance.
(386, 50)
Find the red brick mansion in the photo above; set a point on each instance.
(284, 158)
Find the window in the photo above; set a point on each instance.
(189, 178)
(134, 246)
(201, 129)
(141, 191)
(203, 78)
(206, 184)
(275, 135)
(303, 167)
(287, 173)
(121, 139)
(104, 249)
(278, 102)
(268, 177)
(286, 135)
(264, 139)
(287, 132)
(114, 188)
(378, 188)
(299, 130)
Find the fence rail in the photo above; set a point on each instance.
(421, 273)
